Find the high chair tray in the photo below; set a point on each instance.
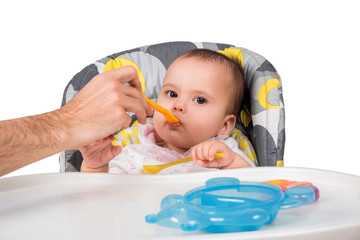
(110, 206)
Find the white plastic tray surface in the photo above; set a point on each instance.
(109, 206)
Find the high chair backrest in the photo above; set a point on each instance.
(260, 128)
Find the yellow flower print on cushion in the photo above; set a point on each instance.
(235, 54)
(245, 116)
(244, 144)
(127, 136)
(264, 90)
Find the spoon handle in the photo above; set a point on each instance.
(167, 114)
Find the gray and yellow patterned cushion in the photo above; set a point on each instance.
(260, 129)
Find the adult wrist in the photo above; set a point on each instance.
(60, 130)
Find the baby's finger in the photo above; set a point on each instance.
(198, 153)
(216, 147)
(213, 148)
(193, 155)
(205, 151)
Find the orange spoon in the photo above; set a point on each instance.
(167, 114)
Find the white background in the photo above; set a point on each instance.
(314, 45)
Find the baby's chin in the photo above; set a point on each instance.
(178, 145)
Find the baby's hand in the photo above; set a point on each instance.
(98, 155)
(203, 154)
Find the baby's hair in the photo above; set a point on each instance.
(238, 83)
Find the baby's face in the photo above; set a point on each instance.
(197, 93)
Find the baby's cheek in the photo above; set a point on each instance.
(199, 134)
(206, 128)
(156, 117)
(159, 122)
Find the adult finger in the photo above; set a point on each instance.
(135, 94)
(135, 106)
(127, 74)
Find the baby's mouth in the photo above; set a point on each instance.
(174, 125)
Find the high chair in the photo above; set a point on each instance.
(260, 128)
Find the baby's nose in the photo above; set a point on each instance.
(178, 109)
(178, 106)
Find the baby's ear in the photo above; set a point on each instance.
(228, 125)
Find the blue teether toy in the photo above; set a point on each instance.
(227, 205)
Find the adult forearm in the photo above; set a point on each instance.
(29, 139)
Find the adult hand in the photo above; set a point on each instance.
(101, 107)
(96, 156)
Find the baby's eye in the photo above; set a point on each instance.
(172, 94)
(200, 100)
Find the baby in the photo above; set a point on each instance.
(204, 90)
